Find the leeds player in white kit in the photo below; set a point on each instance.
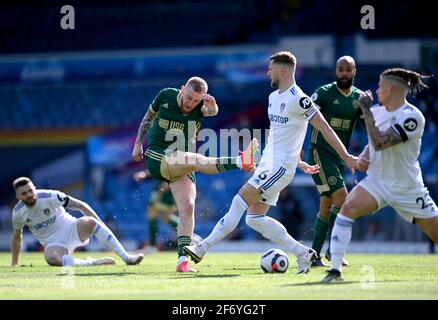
(289, 112)
(43, 211)
(394, 176)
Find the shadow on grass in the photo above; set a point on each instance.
(117, 274)
(197, 275)
(335, 283)
(244, 269)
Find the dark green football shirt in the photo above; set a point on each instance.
(172, 125)
(339, 111)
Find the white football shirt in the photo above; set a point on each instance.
(46, 217)
(398, 165)
(289, 113)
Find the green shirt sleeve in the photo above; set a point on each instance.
(155, 105)
(319, 96)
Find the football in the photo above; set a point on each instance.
(274, 261)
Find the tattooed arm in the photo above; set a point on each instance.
(380, 140)
(145, 126)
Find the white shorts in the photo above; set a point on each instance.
(271, 178)
(67, 236)
(409, 204)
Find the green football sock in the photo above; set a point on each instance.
(182, 242)
(226, 164)
(332, 217)
(153, 231)
(320, 233)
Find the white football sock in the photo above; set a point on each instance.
(226, 224)
(109, 240)
(341, 236)
(273, 230)
(68, 260)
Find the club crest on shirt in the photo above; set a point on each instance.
(355, 104)
(410, 124)
(283, 105)
(47, 211)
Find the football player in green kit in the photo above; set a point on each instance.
(335, 101)
(172, 121)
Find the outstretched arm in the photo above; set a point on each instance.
(15, 246)
(76, 204)
(380, 140)
(145, 126)
(210, 107)
(332, 138)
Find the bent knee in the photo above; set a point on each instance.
(90, 223)
(349, 210)
(86, 226)
(54, 261)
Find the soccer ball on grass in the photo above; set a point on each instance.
(274, 260)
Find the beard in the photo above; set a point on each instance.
(30, 202)
(344, 82)
(275, 83)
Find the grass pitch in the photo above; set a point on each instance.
(234, 276)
